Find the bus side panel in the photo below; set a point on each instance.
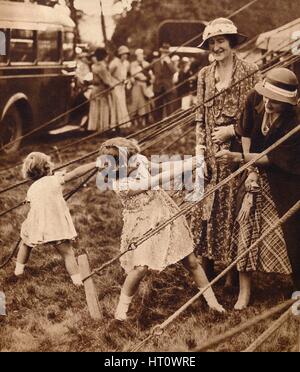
(48, 96)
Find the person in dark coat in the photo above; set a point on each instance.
(273, 186)
(164, 71)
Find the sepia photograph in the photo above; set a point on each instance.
(150, 178)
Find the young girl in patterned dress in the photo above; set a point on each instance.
(145, 209)
(49, 220)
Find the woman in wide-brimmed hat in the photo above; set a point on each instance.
(271, 188)
(216, 119)
(120, 68)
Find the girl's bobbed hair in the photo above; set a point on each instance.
(37, 165)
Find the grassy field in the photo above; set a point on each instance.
(45, 312)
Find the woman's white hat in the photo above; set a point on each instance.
(175, 58)
(221, 26)
(123, 50)
(280, 84)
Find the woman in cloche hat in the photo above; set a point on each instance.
(270, 113)
(216, 120)
(120, 69)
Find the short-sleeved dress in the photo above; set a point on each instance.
(212, 221)
(49, 218)
(143, 212)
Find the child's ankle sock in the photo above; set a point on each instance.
(19, 270)
(123, 306)
(76, 279)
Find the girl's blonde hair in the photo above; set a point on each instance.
(37, 165)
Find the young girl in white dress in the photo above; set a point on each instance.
(49, 220)
(145, 209)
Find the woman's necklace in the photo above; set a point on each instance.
(268, 121)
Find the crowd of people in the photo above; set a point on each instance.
(240, 114)
(144, 89)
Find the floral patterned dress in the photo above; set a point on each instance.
(212, 222)
(143, 212)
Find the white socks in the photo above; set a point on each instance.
(19, 270)
(123, 306)
(76, 279)
(211, 300)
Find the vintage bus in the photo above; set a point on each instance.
(37, 68)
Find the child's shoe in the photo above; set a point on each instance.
(76, 279)
(122, 308)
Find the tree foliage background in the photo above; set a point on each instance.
(138, 28)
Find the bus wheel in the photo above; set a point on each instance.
(10, 130)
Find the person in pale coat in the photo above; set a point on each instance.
(119, 68)
(142, 89)
(103, 106)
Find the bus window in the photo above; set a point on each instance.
(48, 46)
(68, 46)
(22, 46)
(3, 47)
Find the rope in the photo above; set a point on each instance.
(257, 46)
(160, 328)
(243, 327)
(242, 8)
(185, 134)
(10, 256)
(2, 214)
(171, 125)
(119, 83)
(21, 183)
(167, 133)
(58, 168)
(94, 152)
(191, 206)
(269, 332)
(94, 135)
(185, 111)
(134, 245)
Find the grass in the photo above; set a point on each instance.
(45, 312)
